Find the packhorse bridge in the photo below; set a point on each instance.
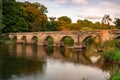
(58, 36)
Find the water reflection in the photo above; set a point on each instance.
(31, 62)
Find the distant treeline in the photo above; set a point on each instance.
(31, 17)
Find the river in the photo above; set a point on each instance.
(32, 62)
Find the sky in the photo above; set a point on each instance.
(92, 10)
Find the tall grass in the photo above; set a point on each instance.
(112, 50)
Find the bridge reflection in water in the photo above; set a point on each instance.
(42, 52)
(52, 63)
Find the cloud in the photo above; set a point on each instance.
(109, 4)
(71, 1)
(93, 17)
(80, 1)
(111, 8)
(117, 15)
(90, 17)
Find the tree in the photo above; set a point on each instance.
(52, 24)
(1, 16)
(86, 24)
(106, 19)
(64, 22)
(117, 23)
(36, 16)
(24, 17)
(14, 19)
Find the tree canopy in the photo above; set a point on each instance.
(31, 17)
(23, 17)
(117, 23)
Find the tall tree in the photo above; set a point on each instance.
(22, 17)
(64, 22)
(1, 16)
(106, 19)
(13, 20)
(85, 24)
(52, 24)
(36, 16)
(117, 23)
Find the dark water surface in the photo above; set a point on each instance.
(32, 62)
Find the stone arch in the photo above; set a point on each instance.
(62, 40)
(86, 37)
(46, 42)
(34, 40)
(24, 39)
(117, 37)
(14, 38)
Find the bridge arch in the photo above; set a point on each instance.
(34, 40)
(85, 38)
(70, 40)
(117, 37)
(14, 38)
(48, 40)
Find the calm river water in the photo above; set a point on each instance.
(32, 62)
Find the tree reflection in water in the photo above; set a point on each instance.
(26, 60)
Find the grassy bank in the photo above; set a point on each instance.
(112, 52)
(4, 39)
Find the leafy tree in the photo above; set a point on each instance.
(13, 20)
(117, 23)
(64, 22)
(65, 19)
(106, 19)
(22, 17)
(52, 24)
(85, 23)
(35, 16)
(1, 16)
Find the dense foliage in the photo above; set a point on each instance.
(117, 23)
(23, 17)
(31, 17)
(1, 25)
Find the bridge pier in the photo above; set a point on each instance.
(40, 43)
(19, 39)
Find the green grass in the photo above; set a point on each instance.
(116, 76)
(112, 55)
(10, 42)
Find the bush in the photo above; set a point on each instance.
(3, 38)
(116, 76)
(112, 55)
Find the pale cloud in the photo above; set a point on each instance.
(111, 8)
(92, 10)
(109, 4)
(93, 17)
(80, 1)
(90, 17)
(117, 15)
(71, 1)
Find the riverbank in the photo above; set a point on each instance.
(4, 39)
(112, 53)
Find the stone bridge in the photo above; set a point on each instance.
(58, 36)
